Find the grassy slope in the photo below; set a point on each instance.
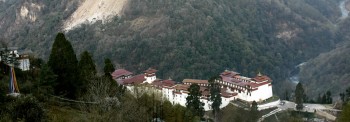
(66, 114)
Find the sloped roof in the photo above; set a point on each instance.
(229, 73)
(150, 71)
(195, 81)
(182, 87)
(138, 79)
(261, 78)
(168, 83)
(121, 72)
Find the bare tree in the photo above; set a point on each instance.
(104, 92)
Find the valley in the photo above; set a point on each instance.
(182, 39)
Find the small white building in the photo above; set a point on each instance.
(23, 62)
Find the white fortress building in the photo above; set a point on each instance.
(233, 86)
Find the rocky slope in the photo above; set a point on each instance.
(91, 11)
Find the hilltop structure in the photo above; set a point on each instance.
(233, 86)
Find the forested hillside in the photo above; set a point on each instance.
(185, 39)
(330, 71)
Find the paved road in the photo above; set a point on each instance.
(307, 107)
(286, 105)
(317, 108)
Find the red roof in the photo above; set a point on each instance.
(195, 81)
(121, 72)
(262, 78)
(206, 93)
(229, 73)
(228, 95)
(254, 85)
(150, 71)
(168, 82)
(138, 79)
(203, 88)
(162, 83)
(182, 87)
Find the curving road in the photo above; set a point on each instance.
(319, 109)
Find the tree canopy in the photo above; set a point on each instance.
(299, 95)
(215, 94)
(193, 103)
(64, 64)
(86, 65)
(109, 67)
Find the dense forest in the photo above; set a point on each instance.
(187, 39)
(330, 70)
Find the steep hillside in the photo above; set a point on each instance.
(247, 37)
(331, 70)
(32, 24)
(183, 39)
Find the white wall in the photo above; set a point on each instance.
(264, 92)
(268, 105)
(24, 64)
(150, 79)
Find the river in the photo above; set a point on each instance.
(295, 73)
(344, 11)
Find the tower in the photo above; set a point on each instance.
(150, 75)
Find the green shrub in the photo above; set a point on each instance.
(27, 109)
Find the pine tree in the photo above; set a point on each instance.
(215, 96)
(254, 106)
(86, 65)
(299, 94)
(324, 99)
(168, 111)
(108, 68)
(286, 95)
(319, 99)
(193, 103)
(254, 113)
(64, 64)
(342, 97)
(47, 79)
(329, 97)
(347, 94)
